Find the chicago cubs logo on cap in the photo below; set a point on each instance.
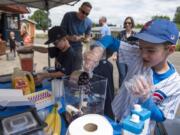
(146, 25)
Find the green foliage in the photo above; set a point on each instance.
(178, 25)
(139, 26)
(178, 47)
(95, 25)
(177, 16)
(160, 17)
(42, 20)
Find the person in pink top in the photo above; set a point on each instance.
(27, 41)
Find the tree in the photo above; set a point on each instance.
(160, 17)
(177, 16)
(139, 26)
(42, 20)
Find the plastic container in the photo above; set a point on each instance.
(26, 59)
(20, 81)
(23, 123)
(88, 98)
(10, 56)
(57, 89)
(17, 123)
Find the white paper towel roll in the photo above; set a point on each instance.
(90, 124)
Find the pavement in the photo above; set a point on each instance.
(7, 66)
(40, 60)
(175, 59)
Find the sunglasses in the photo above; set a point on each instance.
(83, 12)
(128, 23)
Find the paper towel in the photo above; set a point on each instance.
(90, 124)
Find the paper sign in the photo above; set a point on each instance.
(13, 97)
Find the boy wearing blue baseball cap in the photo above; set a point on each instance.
(151, 79)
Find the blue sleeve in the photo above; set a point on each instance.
(110, 42)
(156, 113)
(88, 30)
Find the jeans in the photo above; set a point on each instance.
(122, 67)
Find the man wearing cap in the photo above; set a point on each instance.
(62, 52)
(151, 79)
(78, 28)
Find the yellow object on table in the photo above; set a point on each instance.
(23, 80)
(53, 121)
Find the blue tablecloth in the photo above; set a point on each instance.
(47, 85)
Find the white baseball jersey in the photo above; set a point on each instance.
(166, 92)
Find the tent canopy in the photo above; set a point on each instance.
(41, 4)
(14, 8)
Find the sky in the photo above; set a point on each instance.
(117, 10)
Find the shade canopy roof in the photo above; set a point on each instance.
(14, 8)
(41, 4)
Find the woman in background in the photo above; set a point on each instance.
(27, 41)
(128, 29)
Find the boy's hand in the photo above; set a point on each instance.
(139, 86)
(74, 38)
(40, 77)
(85, 39)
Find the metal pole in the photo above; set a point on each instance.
(49, 60)
(47, 9)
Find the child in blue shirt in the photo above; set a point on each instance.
(152, 80)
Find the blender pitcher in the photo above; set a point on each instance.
(26, 56)
(87, 97)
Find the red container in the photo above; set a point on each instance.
(26, 59)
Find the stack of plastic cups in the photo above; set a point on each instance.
(132, 125)
(144, 115)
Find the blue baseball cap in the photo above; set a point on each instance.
(158, 31)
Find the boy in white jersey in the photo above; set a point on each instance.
(157, 41)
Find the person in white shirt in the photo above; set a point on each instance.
(105, 30)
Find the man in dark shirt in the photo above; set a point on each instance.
(62, 52)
